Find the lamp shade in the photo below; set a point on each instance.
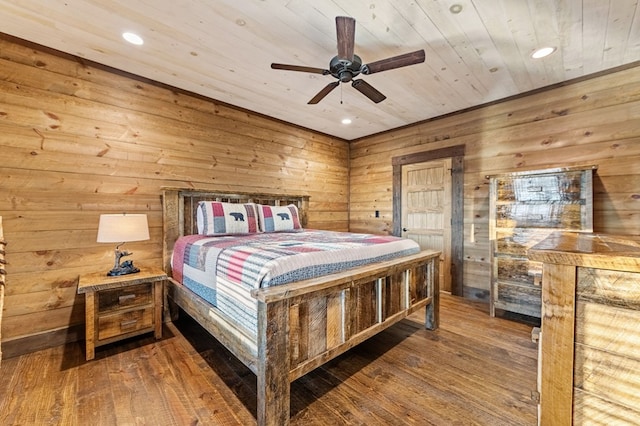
(120, 228)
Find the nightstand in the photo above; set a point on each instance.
(121, 306)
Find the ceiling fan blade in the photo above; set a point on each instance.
(324, 92)
(395, 62)
(368, 90)
(346, 34)
(300, 68)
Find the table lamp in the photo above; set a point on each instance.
(121, 228)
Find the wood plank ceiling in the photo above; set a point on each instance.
(477, 51)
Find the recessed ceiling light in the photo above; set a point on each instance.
(543, 52)
(346, 121)
(133, 38)
(455, 8)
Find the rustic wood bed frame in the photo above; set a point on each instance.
(301, 325)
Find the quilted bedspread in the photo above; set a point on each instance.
(224, 269)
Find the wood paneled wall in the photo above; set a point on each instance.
(78, 140)
(594, 121)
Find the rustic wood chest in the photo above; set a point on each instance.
(525, 207)
(589, 363)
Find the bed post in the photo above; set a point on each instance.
(273, 363)
(432, 320)
(171, 226)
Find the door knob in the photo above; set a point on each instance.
(404, 229)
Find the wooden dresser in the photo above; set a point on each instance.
(525, 207)
(589, 362)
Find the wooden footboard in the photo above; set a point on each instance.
(303, 325)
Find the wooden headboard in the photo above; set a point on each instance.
(179, 211)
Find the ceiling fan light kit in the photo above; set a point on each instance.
(346, 65)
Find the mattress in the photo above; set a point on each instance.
(224, 269)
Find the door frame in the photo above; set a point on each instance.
(456, 153)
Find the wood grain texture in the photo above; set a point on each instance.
(475, 370)
(589, 329)
(117, 307)
(470, 61)
(79, 140)
(3, 273)
(525, 207)
(558, 315)
(298, 338)
(589, 122)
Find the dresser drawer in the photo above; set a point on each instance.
(517, 241)
(557, 187)
(528, 215)
(518, 298)
(126, 322)
(518, 270)
(126, 297)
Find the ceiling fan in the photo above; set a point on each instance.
(346, 65)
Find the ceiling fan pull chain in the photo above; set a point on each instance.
(341, 94)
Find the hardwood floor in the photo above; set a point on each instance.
(474, 370)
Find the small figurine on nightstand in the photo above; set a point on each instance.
(125, 267)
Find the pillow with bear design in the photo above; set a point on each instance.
(216, 218)
(279, 218)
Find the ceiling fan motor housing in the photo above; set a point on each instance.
(343, 69)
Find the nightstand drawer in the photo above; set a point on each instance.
(126, 297)
(126, 322)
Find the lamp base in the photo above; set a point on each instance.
(123, 269)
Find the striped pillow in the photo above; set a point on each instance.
(279, 218)
(215, 218)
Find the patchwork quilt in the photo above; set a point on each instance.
(224, 269)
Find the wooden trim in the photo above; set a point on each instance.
(556, 391)
(457, 203)
(36, 342)
(544, 170)
(3, 272)
(424, 156)
(457, 224)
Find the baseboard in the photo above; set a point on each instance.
(49, 339)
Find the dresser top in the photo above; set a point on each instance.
(543, 171)
(619, 252)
